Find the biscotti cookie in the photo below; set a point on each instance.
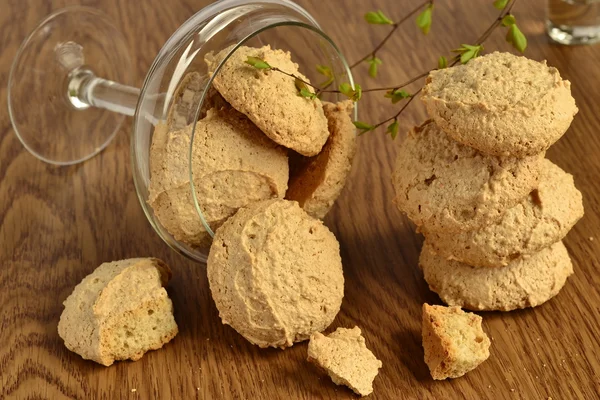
(445, 186)
(319, 180)
(501, 104)
(453, 340)
(526, 282)
(120, 311)
(345, 357)
(270, 99)
(545, 217)
(234, 164)
(275, 273)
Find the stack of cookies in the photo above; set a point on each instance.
(475, 181)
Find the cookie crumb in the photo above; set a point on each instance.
(453, 340)
(133, 390)
(591, 238)
(345, 357)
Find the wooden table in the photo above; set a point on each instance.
(58, 224)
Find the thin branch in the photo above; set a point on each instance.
(505, 11)
(295, 77)
(408, 82)
(395, 117)
(455, 60)
(395, 27)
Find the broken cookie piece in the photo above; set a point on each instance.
(120, 311)
(346, 359)
(453, 340)
(316, 182)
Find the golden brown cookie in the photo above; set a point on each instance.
(120, 311)
(445, 186)
(526, 282)
(234, 165)
(453, 340)
(345, 357)
(318, 181)
(270, 99)
(543, 218)
(275, 273)
(501, 104)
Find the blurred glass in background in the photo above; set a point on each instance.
(574, 21)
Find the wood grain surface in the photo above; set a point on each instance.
(59, 224)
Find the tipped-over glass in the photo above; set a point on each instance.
(68, 88)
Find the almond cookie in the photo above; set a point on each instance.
(318, 181)
(526, 282)
(545, 217)
(270, 99)
(453, 340)
(445, 186)
(501, 104)
(275, 273)
(234, 165)
(120, 311)
(345, 357)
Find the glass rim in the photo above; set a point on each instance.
(314, 28)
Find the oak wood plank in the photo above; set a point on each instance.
(58, 224)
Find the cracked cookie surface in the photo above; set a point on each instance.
(543, 218)
(501, 104)
(445, 186)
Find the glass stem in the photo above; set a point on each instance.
(87, 90)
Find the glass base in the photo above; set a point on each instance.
(47, 115)
(573, 35)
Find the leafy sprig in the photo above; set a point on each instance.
(327, 73)
(380, 18)
(467, 52)
(424, 19)
(397, 95)
(514, 36)
(374, 64)
(257, 63)
(442, 62)
(347, 90)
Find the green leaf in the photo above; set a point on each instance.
(353, 94)
(307, 94)
(378, 18)
(363, 127)
(357, 92)
(257, 63)
(346, 89)
(500, 4)
(442, 62)
(424, 19)
(303, 90)
(515, 37)
(397, 95)
(509, 20)
(374, 63)
(468, 52)
(392, 129)
(328, 73)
